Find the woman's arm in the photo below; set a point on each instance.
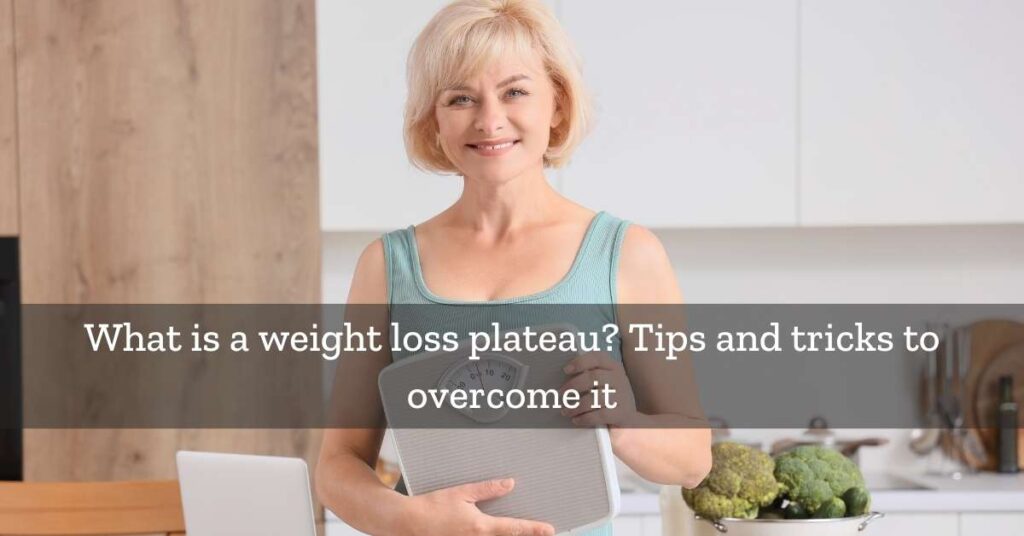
(346, 482)
(665, 390)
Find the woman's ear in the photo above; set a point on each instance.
(559, 97)
(557, 117)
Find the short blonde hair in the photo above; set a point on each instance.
(460, 40)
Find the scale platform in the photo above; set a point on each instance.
(564, 475)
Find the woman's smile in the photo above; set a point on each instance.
(493, 148)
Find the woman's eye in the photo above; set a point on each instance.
(461, 99)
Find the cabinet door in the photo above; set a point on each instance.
(339, 528)
(170, 163)
(911, 112)
(366, 181)
(652, 525)
(696, 111)
(628, 526)
(8, 168)
(991, 524)
(904, 523)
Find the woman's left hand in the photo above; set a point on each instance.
(618, 409)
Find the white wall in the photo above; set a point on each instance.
(948, 264)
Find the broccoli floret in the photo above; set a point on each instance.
(858, 501)
(740, 482)
(795, 511)
(812, 476)
(834, 507)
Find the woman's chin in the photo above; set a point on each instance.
(498, 172)
(493, 175)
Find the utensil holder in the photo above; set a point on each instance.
(949, 460)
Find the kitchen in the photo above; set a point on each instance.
(807, 154)
(849, 189)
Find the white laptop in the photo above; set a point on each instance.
(235, 494)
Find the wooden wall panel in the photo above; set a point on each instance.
(168, 155)
(8, 147)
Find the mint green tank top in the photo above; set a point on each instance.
(590, 280)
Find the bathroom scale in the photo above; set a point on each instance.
(564, 475)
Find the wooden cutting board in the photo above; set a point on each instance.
(1020, 448)
(989, 338)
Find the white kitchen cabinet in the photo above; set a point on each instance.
(904, 523)
(696, 111)
(911, 112)
(366, 181)
(339, 528)
(651, 525)
(628, 526)
(991, 523)
(637, 525)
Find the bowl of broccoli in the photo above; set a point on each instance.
(809, 490)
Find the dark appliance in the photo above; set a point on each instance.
(10, 363)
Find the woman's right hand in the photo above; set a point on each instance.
(453, 511)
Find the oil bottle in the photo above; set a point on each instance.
(1007, 420)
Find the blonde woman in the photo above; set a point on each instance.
(496, 96)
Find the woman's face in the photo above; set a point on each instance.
(496, 125)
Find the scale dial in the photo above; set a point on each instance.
(490, 372)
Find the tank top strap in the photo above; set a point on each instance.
(400, 262)
(599, 261)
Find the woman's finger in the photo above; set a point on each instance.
(591, 360)
(519, 527)
(595, 418)
(484, 490)
(584, 381)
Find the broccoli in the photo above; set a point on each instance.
(740, 482)
(834, 507)
(812, 476)
(858, 501)
(795, 511)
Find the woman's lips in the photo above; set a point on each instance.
(493, 149)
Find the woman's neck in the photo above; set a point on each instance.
(498, 208)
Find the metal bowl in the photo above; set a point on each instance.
(840, 526)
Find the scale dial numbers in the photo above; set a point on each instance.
(487, 374)
(490, 372)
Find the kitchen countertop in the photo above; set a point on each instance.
(894, 492)
(904, 491)
(982, 492)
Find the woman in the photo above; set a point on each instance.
(495, 96)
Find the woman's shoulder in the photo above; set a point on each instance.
(645, 273)
(369, 281)
(638, 243)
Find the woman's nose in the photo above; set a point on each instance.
(490, 117)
